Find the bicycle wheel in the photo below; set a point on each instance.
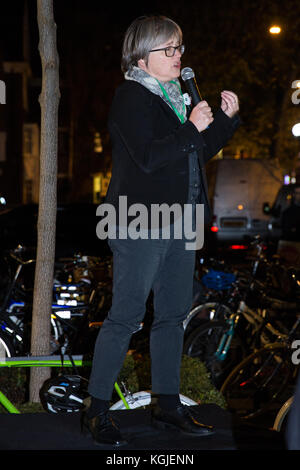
(203, 343)
(257, 383)
(281, 417)
(142, 399)
(203, 313)
(56, 333)
(6, 347)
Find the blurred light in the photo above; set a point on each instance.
(97, 143)
(2, 200)
(214, 228)
(212, 313)
(296, 130)
(240, 207)
(67, 302)
(238, 247)
(275, 29)
(286, 179)
(63, 314)
(95, 323)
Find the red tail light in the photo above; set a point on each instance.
(214, 228)
(238, 247)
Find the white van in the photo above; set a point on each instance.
(238, 190)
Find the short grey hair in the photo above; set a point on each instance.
(146, 33)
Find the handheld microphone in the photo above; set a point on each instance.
(188, 76)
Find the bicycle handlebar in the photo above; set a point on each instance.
(20, 260)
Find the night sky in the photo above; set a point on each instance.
(104, 23)
(100, 26)
(84, 19)
(227, 44)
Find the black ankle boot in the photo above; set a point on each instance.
(103, 429)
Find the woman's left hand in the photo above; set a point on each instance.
(230, 103)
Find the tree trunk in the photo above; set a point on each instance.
(43, 283)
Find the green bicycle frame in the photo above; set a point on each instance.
(44, 361)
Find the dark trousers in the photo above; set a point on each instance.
(166, 267)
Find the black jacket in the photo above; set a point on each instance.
(150, 148)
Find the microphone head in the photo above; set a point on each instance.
(187, 73)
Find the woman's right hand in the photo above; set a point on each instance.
(201, 116)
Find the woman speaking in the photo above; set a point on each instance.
(158, 157)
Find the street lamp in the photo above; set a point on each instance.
(275, 29)
(296, 130)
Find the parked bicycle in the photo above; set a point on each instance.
(77, 301)
(243, 319)
(261, 380)
(67, 392)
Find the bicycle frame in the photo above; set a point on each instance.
(45, 361)
(253, 318)
(225, 341)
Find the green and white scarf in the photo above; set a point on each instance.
(170, 91)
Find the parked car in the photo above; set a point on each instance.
(75, 229)
(274, 210)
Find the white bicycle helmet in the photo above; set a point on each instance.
(63, 394)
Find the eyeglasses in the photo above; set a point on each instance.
(170, 50)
